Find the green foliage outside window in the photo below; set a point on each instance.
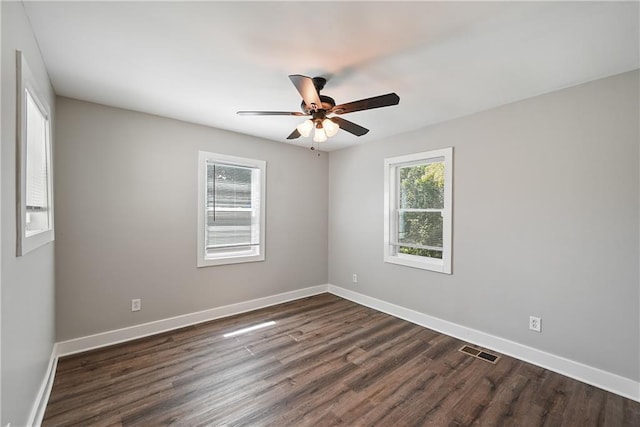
(421, 187)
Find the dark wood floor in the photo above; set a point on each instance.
(326, 361)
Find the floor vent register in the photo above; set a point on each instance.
(487, 357)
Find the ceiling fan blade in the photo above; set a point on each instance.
(367, 104)
(350, 127)
(295, 134)
(271, 113)
(307, 89)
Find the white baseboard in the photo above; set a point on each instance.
(40, 404)
(605, 380)
(576, 370)
(104, 339)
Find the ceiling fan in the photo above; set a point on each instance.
(319, 107)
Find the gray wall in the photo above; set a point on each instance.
(125, 192)
(1, 120)
(545, 223)
(28, 281)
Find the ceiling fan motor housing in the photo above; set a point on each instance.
(327, 104)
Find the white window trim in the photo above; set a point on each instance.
(230, 257)
(391, 166)
(27, 82)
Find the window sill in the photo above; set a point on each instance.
(208, 262)
(422, 263)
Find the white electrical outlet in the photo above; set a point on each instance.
(535, 324)
(355, 278)
(136, 304)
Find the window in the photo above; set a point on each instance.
(230, 209)
(35, 201)
(417, 206)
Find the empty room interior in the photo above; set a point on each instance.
(320, 213)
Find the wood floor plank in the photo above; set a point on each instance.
(485, 391)
(324, 362)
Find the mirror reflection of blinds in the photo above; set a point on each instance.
(36, 174)
(230, 209)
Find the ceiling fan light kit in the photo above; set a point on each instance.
(305, 127)
(330, 128)
(318, 107)
(319, 135)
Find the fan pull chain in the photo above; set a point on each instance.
(316, 148)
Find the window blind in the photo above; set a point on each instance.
(232, 203)
(37, 185)
(37, 216)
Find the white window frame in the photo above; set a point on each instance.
(258, 254)
(27, 87)
(391, 206)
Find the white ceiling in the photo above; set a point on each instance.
(203, 61)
